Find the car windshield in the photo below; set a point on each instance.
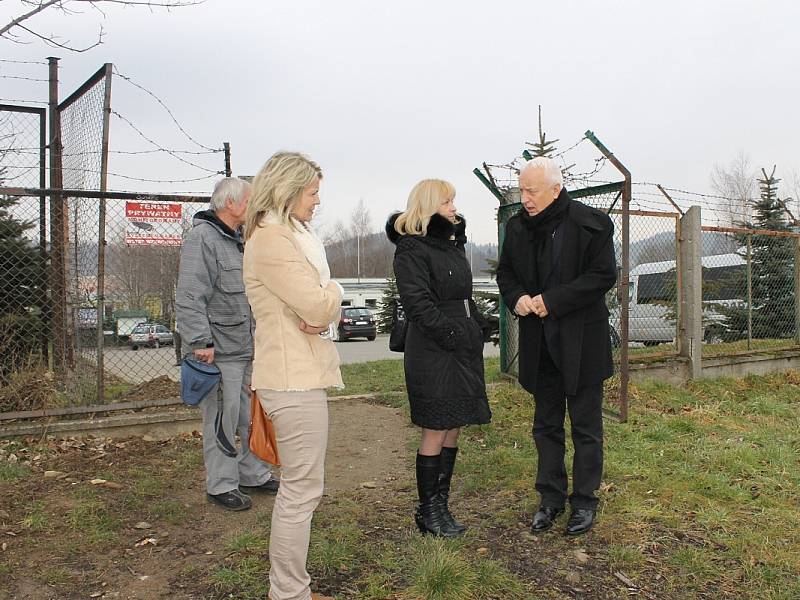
(357, 312)
(142, 329)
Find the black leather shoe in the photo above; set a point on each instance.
(580, 521)
(544, 518)
(270, 486)
(233, 500)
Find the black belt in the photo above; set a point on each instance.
(455, 308)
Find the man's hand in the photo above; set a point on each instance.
(538, 306)
(524, 306)
(205, 355)
(311, 329)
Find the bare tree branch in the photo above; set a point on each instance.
(69, 7)
(51, 40)
(26, 16)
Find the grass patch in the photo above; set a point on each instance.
(386, 378)
(249, 542)
(54, 576)
(90, 520)
(248, 580)
(10, 472)
(336, 540)
(35, 519)
(441, 571)
(171, 511)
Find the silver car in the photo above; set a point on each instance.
(150, 335)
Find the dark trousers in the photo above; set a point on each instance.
(586, 418)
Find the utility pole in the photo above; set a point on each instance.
(358, 256)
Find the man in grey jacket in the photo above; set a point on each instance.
(216, 327)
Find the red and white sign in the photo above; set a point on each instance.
(153, 212)
(132, 239)
(153, 223)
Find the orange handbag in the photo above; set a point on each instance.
(262, 433)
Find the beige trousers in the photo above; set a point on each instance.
(301, 429)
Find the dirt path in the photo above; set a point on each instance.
(58, 545)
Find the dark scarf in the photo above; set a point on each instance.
(541, 228)
(544, 223)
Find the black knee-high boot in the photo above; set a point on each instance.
(445, 476)
(429, 516)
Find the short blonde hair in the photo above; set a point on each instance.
(278, 186)
(423, 202)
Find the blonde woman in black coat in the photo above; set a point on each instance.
(444, 343)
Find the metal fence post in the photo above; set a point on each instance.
(101, 239)
(624, 283)
(227, 148)
(797, 290)
(58, 286)
(749, 292)
(691, 313)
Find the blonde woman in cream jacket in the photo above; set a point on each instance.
(294, 301)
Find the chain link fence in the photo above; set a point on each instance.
(23, 253)
(83, 152)
(749, 291)
(653, 285)
(138, 343)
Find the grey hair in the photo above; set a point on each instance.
(550, 167)
(230, 187)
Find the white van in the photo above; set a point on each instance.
(653, 293)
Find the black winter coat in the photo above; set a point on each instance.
(444, 346)
(577, 301)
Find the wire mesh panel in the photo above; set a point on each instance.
(749, 291)
(83, 139)
(143, 254)
(653, 284)
(23, 258)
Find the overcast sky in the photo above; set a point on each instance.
(384, 94)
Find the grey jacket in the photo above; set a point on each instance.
(210, 303)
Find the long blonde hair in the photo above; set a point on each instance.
(277, 187)
(423, 202)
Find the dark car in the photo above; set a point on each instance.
(356, 322)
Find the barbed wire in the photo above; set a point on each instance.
(701, 194)
(23, 62)
(158, 146)
(23, 78)
(23, 101)
(575, 145)
(131, 177)
(31, 149)
(166, 108)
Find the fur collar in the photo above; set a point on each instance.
(439, 229)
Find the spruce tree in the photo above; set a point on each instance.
(21, 277)
(772, 270)
(543, 147)
(387, 305)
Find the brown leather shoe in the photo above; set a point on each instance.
(320, 597)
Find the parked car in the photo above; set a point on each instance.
(356, 322)
(652, 298)
(150, 335)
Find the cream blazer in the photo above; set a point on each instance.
(283, 288)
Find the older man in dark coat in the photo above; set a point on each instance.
(556, 265)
